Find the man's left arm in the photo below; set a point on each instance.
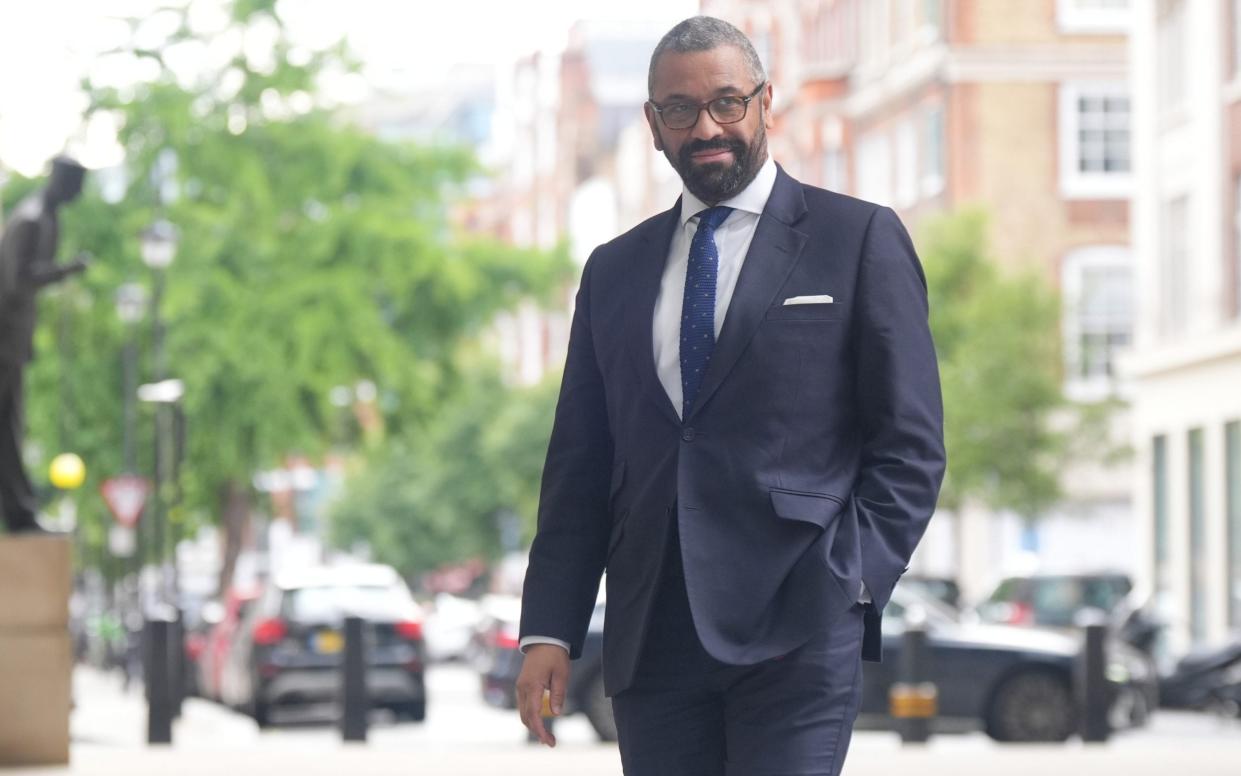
(898, 394)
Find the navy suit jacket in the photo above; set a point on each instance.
(809, 464)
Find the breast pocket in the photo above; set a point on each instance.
(831, 311)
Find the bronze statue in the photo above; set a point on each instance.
(27, 264)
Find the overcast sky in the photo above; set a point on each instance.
(47, 46)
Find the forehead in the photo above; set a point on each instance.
(701, 74)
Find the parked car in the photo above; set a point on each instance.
(500, 663)
(1013, 683)
(1054, 600)
(289, 649)
(945, 589)
(223, 619)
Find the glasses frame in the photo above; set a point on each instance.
(745, 109)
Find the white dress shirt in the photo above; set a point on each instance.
(732, 240)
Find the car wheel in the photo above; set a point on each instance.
(1031, 706)
(598, 708)
(414, 711)
(261, 712)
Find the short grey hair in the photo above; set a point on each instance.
(704, 33)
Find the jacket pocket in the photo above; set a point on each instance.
(806, 312)
(814, 508)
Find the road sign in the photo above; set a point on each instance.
(126, 495)
(121, 541)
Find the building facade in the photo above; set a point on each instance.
(1186, 362)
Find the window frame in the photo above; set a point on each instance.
(1075, 184)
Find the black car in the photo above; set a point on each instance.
(1012, 683)
(289, 647)
(1055, 600)
(500, 663)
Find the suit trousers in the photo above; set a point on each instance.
(18, 505)
(688, 714)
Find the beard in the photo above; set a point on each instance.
(713, 183)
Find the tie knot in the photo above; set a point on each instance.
(713, 217)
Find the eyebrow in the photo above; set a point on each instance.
(723, 91)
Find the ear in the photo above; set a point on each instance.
(653, 120)
(768, 120)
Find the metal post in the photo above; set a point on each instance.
(355, 705)
(913, 701)
(176, 662)
(1091, 679)
(156, 638)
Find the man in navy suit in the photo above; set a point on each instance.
(748, 438)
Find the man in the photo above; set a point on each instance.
(748, 438)
(27, 265)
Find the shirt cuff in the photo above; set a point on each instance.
(864, 596)
(530, 641)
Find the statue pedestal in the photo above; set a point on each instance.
(36, 659)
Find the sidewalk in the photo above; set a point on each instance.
(109, 726)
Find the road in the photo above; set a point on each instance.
(463, 737)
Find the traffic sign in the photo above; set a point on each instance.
(126, 495)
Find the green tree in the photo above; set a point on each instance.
(997, 337)
(438, 498)
(312, 254)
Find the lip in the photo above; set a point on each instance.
(714, 155)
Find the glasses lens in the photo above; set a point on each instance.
(727, 110)
(680, 116)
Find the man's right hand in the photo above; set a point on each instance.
(546, 667)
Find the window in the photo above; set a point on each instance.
(835, 170)
(1098, 307)
(1197, 539)
(1159, 496)
(1232, 489)
(933, 151)
(1170, 56)
(906, 163)
(1093, 16)
(933, 15)
(874, 168)
(1094, 140)
(1174, 268)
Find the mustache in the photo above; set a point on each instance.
(719, 144)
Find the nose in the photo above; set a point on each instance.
(706, 128)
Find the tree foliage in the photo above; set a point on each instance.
(312, 254)
(997, 337)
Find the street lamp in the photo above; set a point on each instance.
(159, 244)
(131, 302)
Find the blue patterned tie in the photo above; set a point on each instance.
(698, 308)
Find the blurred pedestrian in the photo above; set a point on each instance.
(748, 438)
(27, 265)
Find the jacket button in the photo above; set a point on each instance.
(687, 435)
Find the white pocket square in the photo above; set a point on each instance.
(820, 299)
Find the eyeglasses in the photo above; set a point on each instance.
(723, 110)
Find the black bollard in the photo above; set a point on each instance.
(156, 638)
(1091, 679)
(355, 703)
(176, 663)
(913, 701)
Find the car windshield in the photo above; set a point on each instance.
(314, 604)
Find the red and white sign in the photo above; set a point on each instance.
(126, 495)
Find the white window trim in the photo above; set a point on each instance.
(1071, 18)
(1075, 184)
(1072, 270)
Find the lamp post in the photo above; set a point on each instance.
(159, 248)
(131, 302)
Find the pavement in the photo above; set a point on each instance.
(464, 738)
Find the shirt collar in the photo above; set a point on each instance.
(751, 199)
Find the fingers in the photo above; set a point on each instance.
(559, 684)
(530, 706)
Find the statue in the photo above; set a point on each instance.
(27, 265)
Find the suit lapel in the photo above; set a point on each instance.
(640, 306)
(773, 253)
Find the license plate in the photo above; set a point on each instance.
(329, 642)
